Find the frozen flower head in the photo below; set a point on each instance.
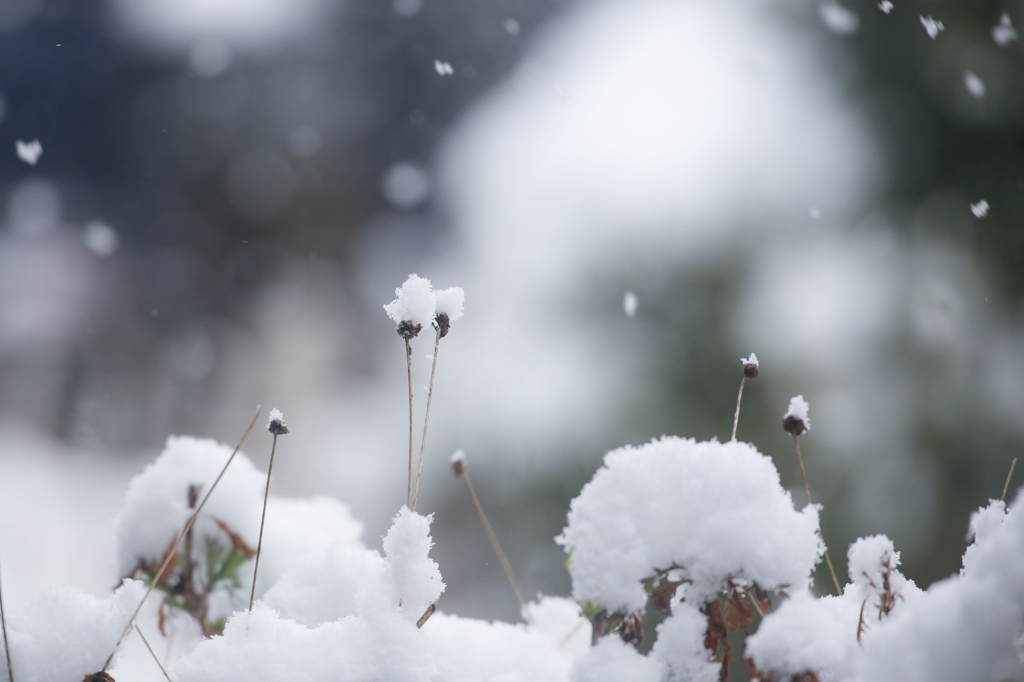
(413, 308)
(750, 367)
(796, 421)
(458, 461)
(276, 425)
(448, 307)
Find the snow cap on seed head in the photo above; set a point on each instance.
(414, 307)
(750, 367)
(276, 424)
(458, 462)
(796, 421)
(448, 307)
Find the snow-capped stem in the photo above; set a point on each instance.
(426, 422)
(497, 545)
(263, 519)
(408, 367)
(807, 489)
(3, 624)
(177, 543)
(1007, 484)
(736, 417)
(153, 653)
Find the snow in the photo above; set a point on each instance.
(29, 152)
(840, 20)
(1004, 33)
(629, 304)
(450, 302)
(974, 85)
(414, 579)
(512, 27)
(65, 634)
(457, 456)
(680, 645)
(798, 409)
(614, 660)
(752, 360)
(100, 238)
(980, 209)
(885, 6)
(443, 68)
(717, 510)
(414, 303)
(275, 416)
(932, 26)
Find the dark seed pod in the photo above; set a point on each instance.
(751, 371)
(458, 466)
(408, 329)
(794, 425)
(98, 677)
(442, 323)
(277, 427)
(632, 630)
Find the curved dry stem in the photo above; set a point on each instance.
(426, 421)
(497, 546)
(736, 417)
(1007, 484)
(177, 543)
(3, 623)
(408, 367)
(263, 519)
(807, 489)
(153, 653)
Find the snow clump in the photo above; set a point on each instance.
(414, 303)
(796, 416)
(449, 302)
(717, 511)
(65, 634)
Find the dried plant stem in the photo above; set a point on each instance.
(807, 489)
(757, 605)
(1007, 484)
(408, 367)
(575, 629)
(494, 543)
(263, 519)
(739, 399)
(7, 650)
(174, 550)
(152, 653)
(426, 421)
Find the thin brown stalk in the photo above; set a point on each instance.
(494, 543)
(263, 519)
(807, 489)
(757, 605)
(575, 629)
(7, 650)
(739, 399)
(152, 653)
(1007, 484)
(174, 551)
(426, 421)
(408, 367)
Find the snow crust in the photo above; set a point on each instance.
(716, 510)
(65, 634)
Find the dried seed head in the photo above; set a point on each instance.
(277, 425)
(458, 461)
(407, 329)
(794, 425)
(796, 421)
(98, 677)
(750, 367)
(442, 323)
(632, 630)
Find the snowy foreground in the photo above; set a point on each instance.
(701, 531)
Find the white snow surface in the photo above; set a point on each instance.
(715, 509)
(414, 578)
(612, 659)
(680, 645)
(414, 303)
(450, 301)
(752, 360)
(65, 634)
(799, 408)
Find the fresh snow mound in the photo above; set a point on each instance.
(413, 577)
(717, 510)
(415, 302)
(752, 360)
(450, 302)
(64, 634)
(611, 659)
(799, 408)
(276, 416)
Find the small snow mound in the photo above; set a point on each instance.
(275, 416)
(458, 456)
(29, 152)
(752, 360)
(612, 659)
(414, 303)
(450, 302)
(716, 510)
(798, 409)
(413, 578)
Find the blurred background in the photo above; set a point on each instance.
(633, 193)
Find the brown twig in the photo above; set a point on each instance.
(259, 543)
(426, 615)
(152, 653)
(7, 650)
(174, 552)
(1007, 484)
(408, 367)
(494, 543)
(736, 417)
(807, 489)
(426, 420)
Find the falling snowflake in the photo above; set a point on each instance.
(885, 6)
(443, 68)
(980, 209)
(975, 85)
(29, 152)
(932, 26)
(1004, 33)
